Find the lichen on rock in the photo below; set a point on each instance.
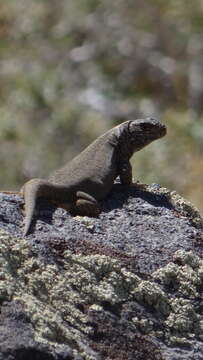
(89, 291)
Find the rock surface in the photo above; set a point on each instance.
(126, 285)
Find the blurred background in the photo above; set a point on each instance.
(70, 70)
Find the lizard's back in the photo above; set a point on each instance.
(92, 171)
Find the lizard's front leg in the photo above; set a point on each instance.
(86, 205)
(125, 173)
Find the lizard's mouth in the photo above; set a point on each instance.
(163, 130)
(155, 134)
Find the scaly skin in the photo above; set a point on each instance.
(89, 177)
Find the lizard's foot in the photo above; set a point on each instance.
(140, 185)
(86, 208)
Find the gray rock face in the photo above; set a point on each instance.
(126, 285)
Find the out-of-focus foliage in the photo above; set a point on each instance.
(70, 70)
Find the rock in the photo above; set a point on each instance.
(125, 285)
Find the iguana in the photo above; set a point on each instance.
(89, 177)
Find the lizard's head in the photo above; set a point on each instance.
(144, 131)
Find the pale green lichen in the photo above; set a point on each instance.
(144, 325)
(182, 318)
(187, 258)
(50, 295)
(152, 295)
(187, 278)
(184, 207)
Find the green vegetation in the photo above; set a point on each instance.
(70, 70)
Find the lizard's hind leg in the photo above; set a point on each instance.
(86, 205)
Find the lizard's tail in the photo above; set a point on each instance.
(32, 190)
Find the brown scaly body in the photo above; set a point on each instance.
(89, 177)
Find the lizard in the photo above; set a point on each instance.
(88, 178)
